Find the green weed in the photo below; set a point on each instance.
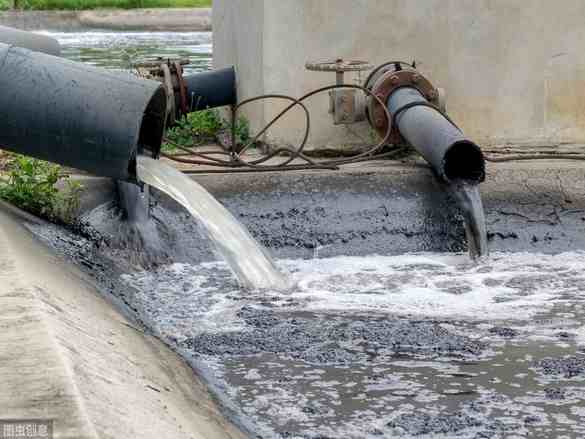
(31, 185)
(203, 127)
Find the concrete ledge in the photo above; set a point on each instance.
(383, 207)
(69, 355)
(189, 20)
(179, 20)
(390, 208)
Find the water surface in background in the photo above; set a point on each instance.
(118, 50)
(250, 262)
(422, 345)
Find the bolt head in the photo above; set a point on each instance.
(379, 121)
(394, 80)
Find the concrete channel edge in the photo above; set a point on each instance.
(69, 356)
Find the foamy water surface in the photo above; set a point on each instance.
(422, 345)
(502, 287)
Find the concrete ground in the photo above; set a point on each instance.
(179, 20)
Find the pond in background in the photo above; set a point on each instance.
(118, 50)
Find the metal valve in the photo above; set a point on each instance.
(347, 106)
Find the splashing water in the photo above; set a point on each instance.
(247, 259)
(469, 199)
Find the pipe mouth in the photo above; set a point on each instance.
(464, 160)
(152, 128)
(153, 123)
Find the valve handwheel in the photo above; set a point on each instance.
(339, 66)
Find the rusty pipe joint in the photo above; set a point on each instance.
(190, 93)
(418, 118)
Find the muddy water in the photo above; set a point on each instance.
(119, 50)
(469, 199)
(424, 345)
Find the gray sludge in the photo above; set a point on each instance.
(320, 341)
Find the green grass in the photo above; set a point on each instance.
(102, 4)
(31, 185)
(201, 127)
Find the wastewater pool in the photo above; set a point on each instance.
(409, 346)
(119, 50)
(403, 346)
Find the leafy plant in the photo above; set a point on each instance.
(68, 201)
(204, 126)
(242, 131)
(31, 185)
(194, 128)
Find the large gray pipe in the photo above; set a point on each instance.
(29, 40)
(442, 144)
(215, 88)
(77, 115)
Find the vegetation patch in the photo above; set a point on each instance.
(100, 4)
(40, 188)
(204, 127)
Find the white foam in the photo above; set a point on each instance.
(514, 286)
(503, 287)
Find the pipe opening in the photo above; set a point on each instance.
(464, 161)
(153, 123)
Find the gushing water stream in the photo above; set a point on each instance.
(469, 199)
(251, 264)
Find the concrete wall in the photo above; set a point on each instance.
(514, 70)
